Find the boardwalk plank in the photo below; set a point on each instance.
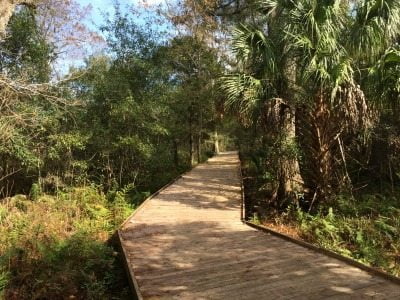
(188, 243)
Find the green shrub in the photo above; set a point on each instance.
(58, 246)
(4, 278)
(361, 230)
(35, 192)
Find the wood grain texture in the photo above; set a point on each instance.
(188, 242)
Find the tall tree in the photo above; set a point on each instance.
(320, 43)
(25, 53)
(263, 90)
(195, 68)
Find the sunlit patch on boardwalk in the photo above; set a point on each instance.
(188, 243)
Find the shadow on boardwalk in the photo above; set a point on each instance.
(189, 243)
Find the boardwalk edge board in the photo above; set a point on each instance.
(131, 276)
(327, 252)
(137, 293)
(304, 244)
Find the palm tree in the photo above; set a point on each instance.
(316, 57)
(262, 89)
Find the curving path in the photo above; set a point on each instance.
(188, 242)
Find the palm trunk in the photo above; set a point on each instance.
(199, 149)
(291, 183)
(216, 143)
(320, 132)
(290, 179)
(280, 121)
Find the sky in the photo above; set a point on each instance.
(99, 7)
(106, 6)
(145, 10)
(96, 18)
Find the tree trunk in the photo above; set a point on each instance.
(199, 148)
(291, 183)
(290, 179)
(280, 122)
(216, 143)
(319, 140)
(191, 152)
(199, 136)
(325, 134)
(175, 152)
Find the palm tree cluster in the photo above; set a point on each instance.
(322, 78)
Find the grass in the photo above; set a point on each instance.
(58, 247)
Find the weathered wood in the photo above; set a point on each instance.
(188, 242)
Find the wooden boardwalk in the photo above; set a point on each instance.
(188, 242)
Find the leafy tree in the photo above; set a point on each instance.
(194, 68)
(263, 90)
(25, 52)
(311, 50)
(25, 112)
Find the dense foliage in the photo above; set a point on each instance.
(308, 77)
(89, 149)
(115, 121)
(317, 90)
(60, 246)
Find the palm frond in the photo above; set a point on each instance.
(383, 79)
(314, 35)
(275, 7)
(242, 92)
(251, 44)
(376, 25)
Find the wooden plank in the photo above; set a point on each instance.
(188, 242)
(327, 252)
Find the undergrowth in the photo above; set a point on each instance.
(366, 233)
(369, 231)
(364, 226)
(59, 247)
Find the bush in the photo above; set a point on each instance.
(369, 234)
(35, 192)
(57, 247)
